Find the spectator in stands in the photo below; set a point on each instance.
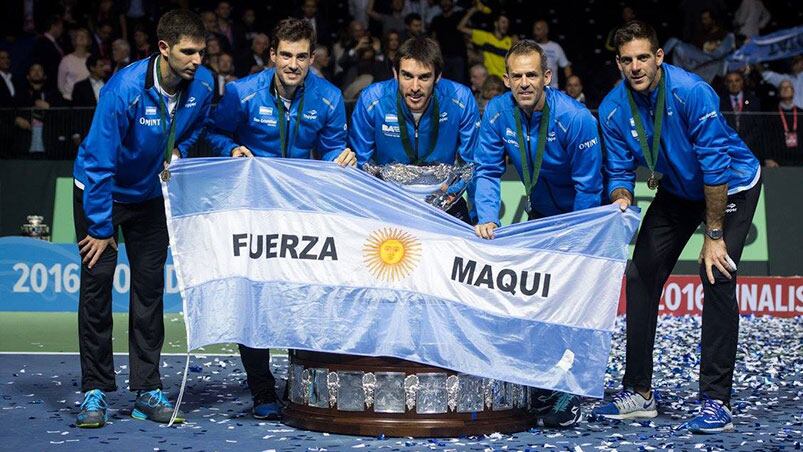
(711, 33)
(737, 100)
(444, 30)
(358, 9)
(427, 9)
(796, 78)
(628, 14)
(85, 93)
(321, 62)
(225, 26)
(574, 88)
(413, 26)
(108, 15)
(212, 27)
(494, 45)
(212, 53)
(478, 74)
(10, 88)
(223, 74)
(392, 21)
(390, 47)
(750, 18)
(102, 40)
(310, 13)
(555, 56)
(351, 52)
(142, 44)
(121, 54)
(47, 49)
(344, 49)
(246, 28)
(254, 59)
(785, 147)
(367, 69)
(73, 66)
(35, 127)
(492, 87)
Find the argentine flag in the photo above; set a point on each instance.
(283, 253)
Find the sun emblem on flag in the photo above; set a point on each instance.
(391, 254)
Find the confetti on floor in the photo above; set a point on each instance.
(41, 393)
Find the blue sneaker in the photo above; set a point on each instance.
(93, 410)
(154, 406)
(267, 409)
(628, 404)
(714, 417)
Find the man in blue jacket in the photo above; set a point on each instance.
(149, 112)
(285, 111)
(552, 141)
(417, 117)
(668, 120)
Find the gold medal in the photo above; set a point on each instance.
(652, 182)
(165, 175)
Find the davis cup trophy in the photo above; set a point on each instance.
(373, 396)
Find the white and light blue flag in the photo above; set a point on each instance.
(299, 254)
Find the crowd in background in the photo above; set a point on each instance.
(60, 53)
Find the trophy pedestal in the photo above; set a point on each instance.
(371, 396)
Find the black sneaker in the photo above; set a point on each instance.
(93, 410)
(542, 401)
(154, 406)
(565, 411)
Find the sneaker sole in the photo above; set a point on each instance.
(139, 415)
(270, 417)
(708, 431)
(91, 425)
(632, 415)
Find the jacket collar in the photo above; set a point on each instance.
(150, 82)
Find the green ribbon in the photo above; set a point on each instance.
(283, 119)
(412, 154)
(171, 137)
(529, 182)
(650, 154)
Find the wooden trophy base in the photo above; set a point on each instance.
(444, 403)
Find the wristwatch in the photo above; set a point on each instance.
(714, 234)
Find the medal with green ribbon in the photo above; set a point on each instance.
(412, 154)
(164, 114)
(650, 154)
(283, 119)
(529, 179)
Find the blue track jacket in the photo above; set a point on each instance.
(571, 172)
(697, 146)
(374, 133)
(122, 155)
(248, 115)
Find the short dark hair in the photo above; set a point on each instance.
(635, 29)
(525, 47)
(422, 49)
(293, 30)
(91, 61)
(408, 19)
(178, 23)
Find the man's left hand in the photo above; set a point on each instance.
(715, 254)
(176, 155)
(347, 158)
